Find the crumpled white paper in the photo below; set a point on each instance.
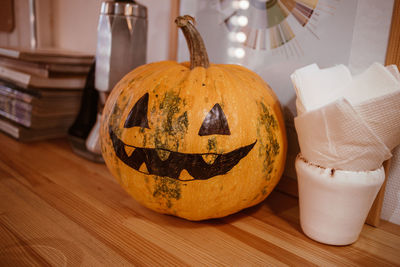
(314, 86)
(382, 115)
(334, 136)
(348, 124)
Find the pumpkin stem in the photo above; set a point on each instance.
(198, 52)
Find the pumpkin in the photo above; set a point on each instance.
(195, 140)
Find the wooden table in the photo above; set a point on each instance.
(59, 209)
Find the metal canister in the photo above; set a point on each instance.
(121, 47)
(121, 41)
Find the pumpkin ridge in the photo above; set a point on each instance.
(144, 70)
(137, 80)
(274, 144)
(154, 77)
(235, 83)
(243, 73)
(254, 83)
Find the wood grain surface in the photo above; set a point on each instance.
(57, 209)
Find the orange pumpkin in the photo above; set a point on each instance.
(197, 141)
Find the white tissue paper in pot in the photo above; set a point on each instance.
(299, 107)
(336, 137)
(374, 82)
(346, 130)
(382, 115)
(394, 71)
(362, 138)
(333, 203)
(314, 86)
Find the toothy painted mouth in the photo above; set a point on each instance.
(173, 163)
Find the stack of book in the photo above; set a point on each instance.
(40, 91)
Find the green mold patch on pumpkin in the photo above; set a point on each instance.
(167, 188)
(175, 122)
(114, 119)
(270, 149)
(169, 107)
(182, 122)
(264, 191)
(155, 89)
(211, 148)
(124, 99)
(255, 197)
(212, 144)
(267, 118)
(144, 142)
(132, 81)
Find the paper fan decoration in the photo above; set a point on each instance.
(270, 24)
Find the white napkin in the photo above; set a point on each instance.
(314, 86)
(382, 115)
(394, 71)
(374, 82)
(347, 123)
(335, 137)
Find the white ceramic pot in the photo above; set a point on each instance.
(334, 204)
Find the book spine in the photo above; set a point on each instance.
(15, 76)
(34, 68)
(17, 111)
(7, 91)
(9, 128)
(14, 88)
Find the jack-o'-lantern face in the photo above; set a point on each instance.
(200, 141)
(180, 143)
(172, 163)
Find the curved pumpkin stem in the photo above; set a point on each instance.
(197, 50)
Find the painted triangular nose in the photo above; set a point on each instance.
(215, 122)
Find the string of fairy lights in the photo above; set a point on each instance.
(238, 21)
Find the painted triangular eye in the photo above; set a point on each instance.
(138, 114)
(215, 122)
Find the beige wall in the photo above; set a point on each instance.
(72, 24)
(75, 24)
(20, 35)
